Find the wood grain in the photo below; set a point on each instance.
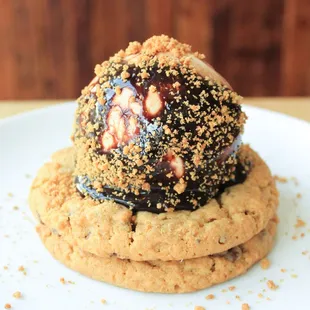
(247, 51)
(49, 47)
(296, 48)
(159, 17)
(192, 24)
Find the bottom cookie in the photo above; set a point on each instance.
(162, 276)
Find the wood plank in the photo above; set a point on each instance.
(159, 17)
(192, 25)
(136, 29)
(296, 49)
(247, 43)
(25, 64)
(7, 82)
(83, 42)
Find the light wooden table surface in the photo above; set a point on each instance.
(297, 107)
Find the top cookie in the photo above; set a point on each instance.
(108, 228)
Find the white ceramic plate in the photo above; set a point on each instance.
(27, 140)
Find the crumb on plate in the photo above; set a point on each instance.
(17, 294)
(210, 296)
(245, 307)
(265, 263)
(280, 179)
(300, 223)
(21, 268)
(272, 285)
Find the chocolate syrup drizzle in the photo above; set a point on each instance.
(222, 158)
(141, 203)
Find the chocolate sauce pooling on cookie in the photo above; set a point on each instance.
(148, 201)
(156, 136)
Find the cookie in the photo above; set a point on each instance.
(108, 228)
(162, 276)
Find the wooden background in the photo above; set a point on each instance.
(48, 48)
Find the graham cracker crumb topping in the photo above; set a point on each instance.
(156, 119)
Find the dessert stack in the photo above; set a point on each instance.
(157, 193)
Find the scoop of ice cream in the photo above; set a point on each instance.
(157, 129)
